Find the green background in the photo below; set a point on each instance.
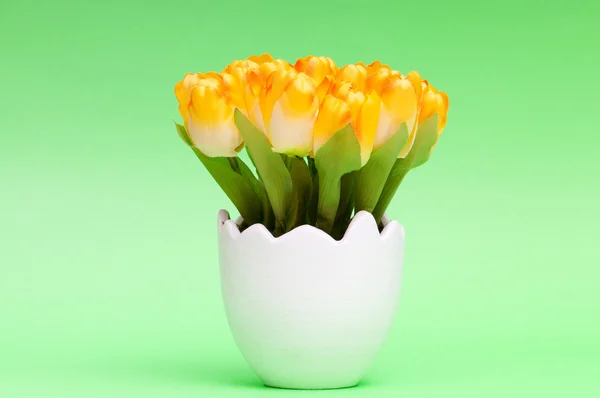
(109, 282)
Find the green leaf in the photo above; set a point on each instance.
(258, 188)
(268, 215)
(183, 135)
(302, 182)
(373, 176)
(237, 189)
(397, 174)
(425, 139)
(427, 136)
(340, 155)
(270, 167)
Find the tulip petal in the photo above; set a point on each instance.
(353, 73)
(260, 59)
(290, 128)
(317, 68)
(333, 115)
(217, 140)
(400, 99)
(366, 125)
(323, 88)
(271, 92)
(252, 102)
(291, 136)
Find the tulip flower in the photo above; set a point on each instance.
(363, 127)
(289, 104)
(400, 97)
(356, 74)
(322, 70)
(208, 117)
(256, 80)
(364, 111)
(374, 66)
(379, 75)
(235, 80)
(434, 103)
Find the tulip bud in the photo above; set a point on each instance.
(356, 74)
(208, 117)
(434, 103)
(379, 77)
(261, 59)
(289, 105)
(364, 111)
(235, 80)
(322, 70)
(256, 80)
(400, 97)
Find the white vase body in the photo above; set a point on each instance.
(307, 311)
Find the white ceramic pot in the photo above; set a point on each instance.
(307, 311)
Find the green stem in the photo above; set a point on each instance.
(346, 206)
(329, 201)
(311, 212)
(233, 161)
(397, 174)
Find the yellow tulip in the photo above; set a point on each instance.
(364, 111)
(434, 103)
(400, 98)
(235, 80)
(243, 64)
(378, 76)
(288, 105)
(375, 66)
(256, 79)
(356, 74)
(322, 70)
(208, 117)
(253, 88)
(261, 59)
(300, 106)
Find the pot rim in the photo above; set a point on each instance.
(361, 220)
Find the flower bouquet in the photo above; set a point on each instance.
(310, 270)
